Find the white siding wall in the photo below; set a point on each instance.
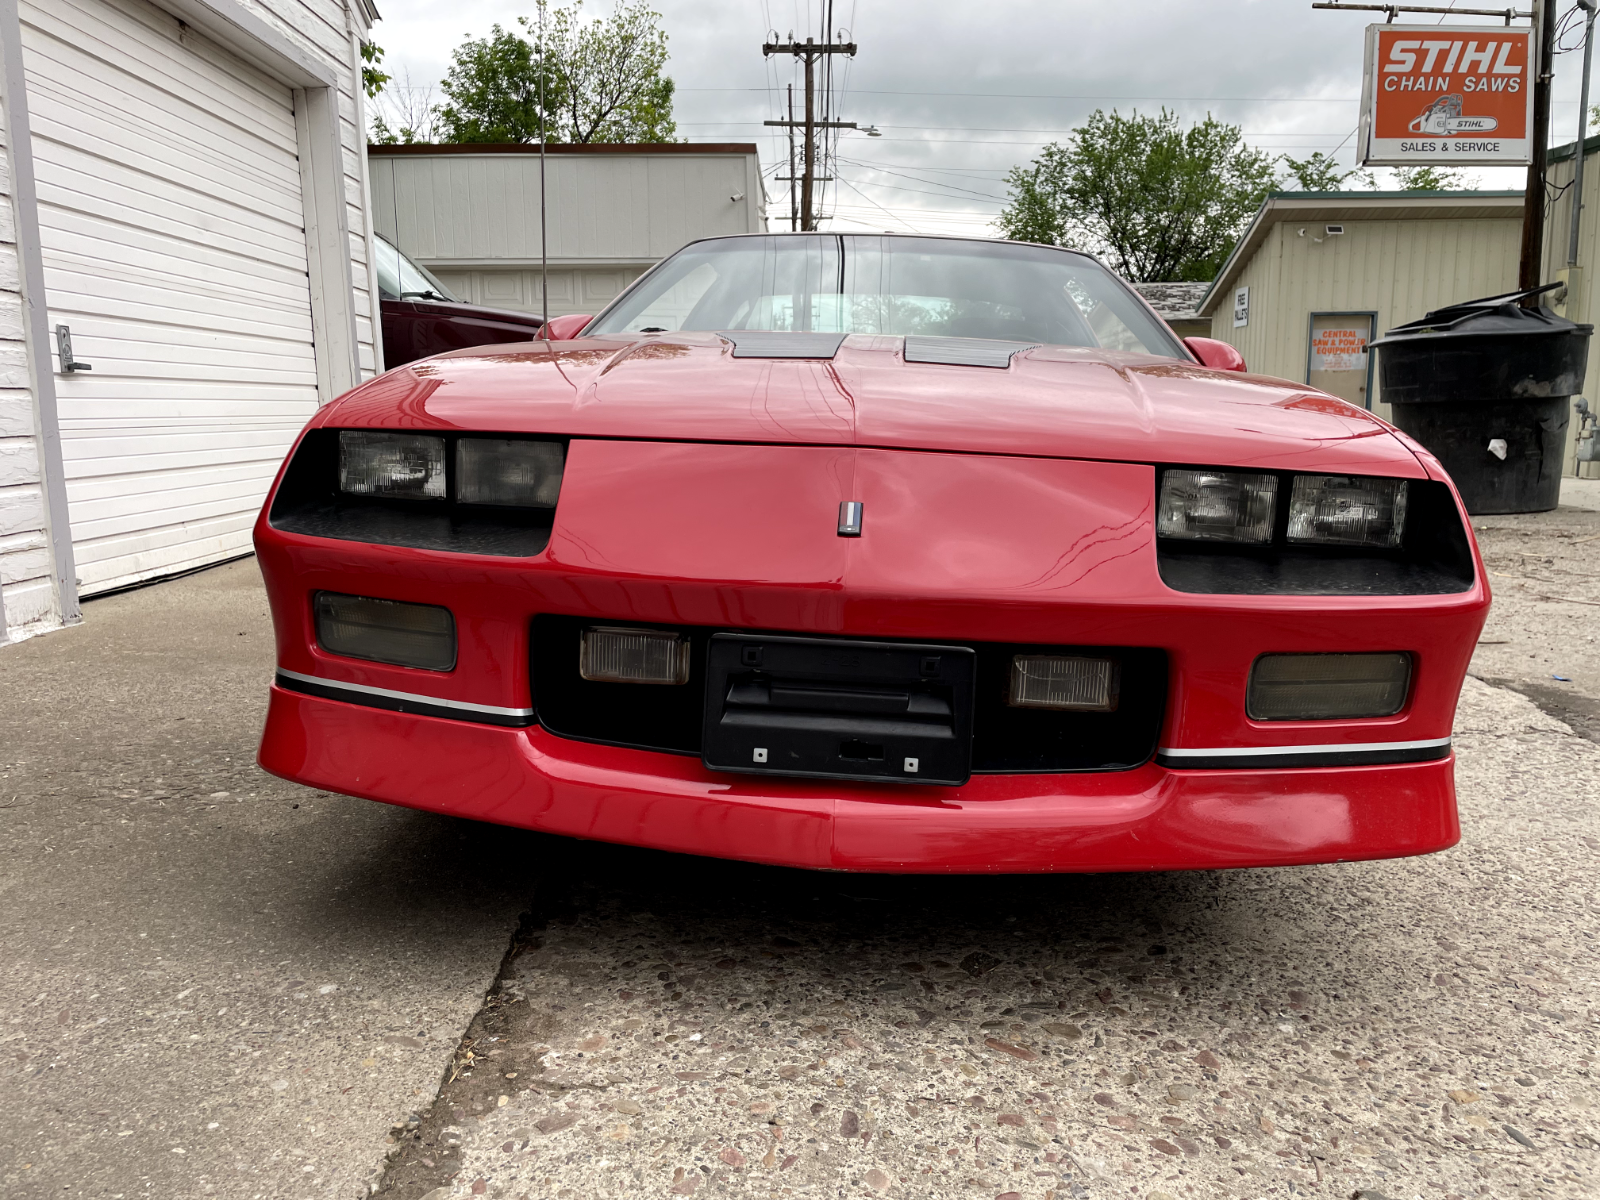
(26, 592)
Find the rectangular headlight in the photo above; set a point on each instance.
(633, 656)
(1325, 687)
(516, 472)
(386, 631)
(399, 465)
(1347, 510)
(1058, 681)
(1218, 506)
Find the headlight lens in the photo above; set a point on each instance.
(509, 471)
(1325, 687)
(1347, 510)
(386, 631)
(1218, 506)
(406, 466)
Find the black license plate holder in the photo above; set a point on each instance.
(879, 712)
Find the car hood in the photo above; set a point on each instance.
(1058, 402)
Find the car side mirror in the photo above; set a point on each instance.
(564, 329)
(1219, 356)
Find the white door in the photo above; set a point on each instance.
(174, 248)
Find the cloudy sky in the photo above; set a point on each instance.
(963, 91)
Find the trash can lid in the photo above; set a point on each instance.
(1491, 316)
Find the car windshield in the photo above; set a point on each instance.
(890, 285)
(401, 279)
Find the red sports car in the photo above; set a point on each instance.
(876, 554)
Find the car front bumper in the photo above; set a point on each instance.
(1150, 818)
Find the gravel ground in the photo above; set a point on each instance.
(669, 1026)
(1543, 633)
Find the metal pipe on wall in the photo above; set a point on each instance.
(1583, 132)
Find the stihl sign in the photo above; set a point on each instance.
(1447, 94)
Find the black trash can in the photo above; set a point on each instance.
(1486, 385)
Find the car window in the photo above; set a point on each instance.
(891, 285)
(400, 278)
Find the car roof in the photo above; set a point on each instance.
(921, 237)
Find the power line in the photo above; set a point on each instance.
(1082, 96)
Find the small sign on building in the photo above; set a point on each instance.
(1338, 350)
(1241, 308)
(1447, 95)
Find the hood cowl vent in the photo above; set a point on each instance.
(964, 352)
(752, 343)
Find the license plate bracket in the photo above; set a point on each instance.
(881, 712)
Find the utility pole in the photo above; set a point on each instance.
(794, 208)
(1544, 33)
(810, 51)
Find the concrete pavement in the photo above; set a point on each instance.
(218, 984)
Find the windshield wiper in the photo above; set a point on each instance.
(430, 294)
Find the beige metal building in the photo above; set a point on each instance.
(1319, 275)
(470, 213)
(1579, 301)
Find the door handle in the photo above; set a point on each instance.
(64, 348)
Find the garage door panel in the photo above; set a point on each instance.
(116, 562)
(122, 300)
(145, 491)
(174, 245)
(111, 462)
(111, 138)
(110, 538)
(135, 39)
(193, 266)
(149, 402)
(159, 119)
(108, 191)
(174, 352)
(143, 449)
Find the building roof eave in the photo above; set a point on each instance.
(1354, 206)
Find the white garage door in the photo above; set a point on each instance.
(174, 248)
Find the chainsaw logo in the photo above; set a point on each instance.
(1443, 118)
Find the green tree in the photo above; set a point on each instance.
(1319, 173)
(602, 80)
(372, 77)
(1430, 179)
(492, 91)
(1161, 202)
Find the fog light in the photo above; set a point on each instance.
(406, 466)
(633, 656)
(515, 472)
(1055, 681)
(387, 631)
(1323, 687)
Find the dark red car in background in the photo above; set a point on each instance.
(421, 317)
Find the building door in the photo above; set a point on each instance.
(173, 241)
(1338, 361)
